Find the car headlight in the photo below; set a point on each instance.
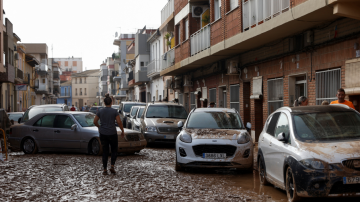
(314, 164)
(185, 138)
(243, 138)
(150, 129)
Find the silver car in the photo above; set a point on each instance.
(67, 131)
(136, 122)
(131, 116)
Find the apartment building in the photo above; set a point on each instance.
(84, 88)
(256, 56)
(102, 82)
(70, 64)
(65, 96)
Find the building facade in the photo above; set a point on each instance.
(65, 96)
(84, 88)
(70, 64)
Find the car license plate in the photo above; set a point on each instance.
(351, 180)
(169, 137)
(214, 155)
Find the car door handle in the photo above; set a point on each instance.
(35, 130)
(270, 143)
(57, 131)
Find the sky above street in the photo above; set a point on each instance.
(81, 28)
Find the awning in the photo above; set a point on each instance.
(352, 91)
(31, 60)
(257, 88)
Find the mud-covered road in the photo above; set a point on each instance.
(147, 176)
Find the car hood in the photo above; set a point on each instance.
(331, 152)
(214, 133)
(163, 122)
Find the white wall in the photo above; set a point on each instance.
(157, 85)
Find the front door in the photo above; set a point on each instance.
(64, 137)
(43, 132)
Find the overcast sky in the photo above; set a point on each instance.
(81, 28)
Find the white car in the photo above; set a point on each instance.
(131, 116)
(214, 138)
(311, 151)
(136, 122)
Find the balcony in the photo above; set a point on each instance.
(56, 83)
(64, 95)
(56, 75)
(9, 75)
(19, 76)
(124, 85)
(167, 11)
(168, 59)
(41, 88)
(42, 69)
(200, 40)
(141, 76)
(113, 92)
(154, 68)
(57, 69)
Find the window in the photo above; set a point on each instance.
(233, 4)
(271, 124)
(235, 97)
(80, 91)
(275, 94)
(192, 100)
(212, 97)
(63, 121)
(181, 99)
(186, 29)
(178, 34)
(217, 9)
(166, 111)
(84, 80)
(327, 84)
(75, 80)
(80, 80)
(65, 91)
(141, 64)
(282, 126)
(46, 121)
(75, 91)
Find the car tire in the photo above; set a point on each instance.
(96, 148)
(29, 146)
(262, 172)
(290, 186)
(178, 167)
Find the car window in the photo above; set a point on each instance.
(272, 124)
(46, 121)
(127, 107)
(214, 120)
(282, 126)
(134, 110)
(63, 121)
(140, 112)
(86, 120)
(15, 117)
(166, 111)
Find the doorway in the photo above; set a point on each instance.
(143, 96)
(222, 97)
(297, 88)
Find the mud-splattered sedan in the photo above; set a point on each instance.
(311, 151)
(70, 132)
(214, 138)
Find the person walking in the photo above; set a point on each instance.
(341, 99)
(73, 108)
(108, 133)
(301, 101)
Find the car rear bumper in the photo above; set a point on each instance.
(154, 137)
(14, 143)
(131, 146)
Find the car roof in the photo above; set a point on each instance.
(214, 110)
(317, 109)
(15, 112)
(50, 105)
(66, 112)
(130, 102)
(164, 103)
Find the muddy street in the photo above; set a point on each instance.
(147, 176)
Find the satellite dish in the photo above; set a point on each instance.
(116, 34)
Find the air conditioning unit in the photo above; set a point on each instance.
(187, 81)
(232, 69)
(197, 11)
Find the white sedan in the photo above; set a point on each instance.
(214, 138)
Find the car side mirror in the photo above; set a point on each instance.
(180, 125)
(19, 121)
(128, 115)
(281, 137)
(73, 127)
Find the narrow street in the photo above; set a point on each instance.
(147, 176)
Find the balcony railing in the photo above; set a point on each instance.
(67, 94)
(154, 68)
(167, 11)
(258, 11)
(200, 40)
(168, 59)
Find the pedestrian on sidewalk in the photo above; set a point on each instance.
(341, 99)
(301, 101)
(108, 133)
(73, 108)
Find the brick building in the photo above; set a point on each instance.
(256, 56)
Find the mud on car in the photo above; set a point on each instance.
(214, 138)
(311, 151)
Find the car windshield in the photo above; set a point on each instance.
(141, 111)
(327, 126)
(15, 117)
(166, 111)
(214, 120)
(37, 110)
(134, 110)
(86, 120)
(127, 107)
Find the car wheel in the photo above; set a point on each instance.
(96, 148)
(29, 146)
(262, 172)
(178, 167)
(291, 186)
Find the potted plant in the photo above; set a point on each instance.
(168, 43)
(167, 36)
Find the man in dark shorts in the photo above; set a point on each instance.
(108, 133)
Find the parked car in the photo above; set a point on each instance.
(311, 151)
(159, 122)
(95, 109)
(214, 138)
(115, 107)
(136, 122)
(15, 116)
(37, 109)
(124, 110)
(131, 116)
(67, 131)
